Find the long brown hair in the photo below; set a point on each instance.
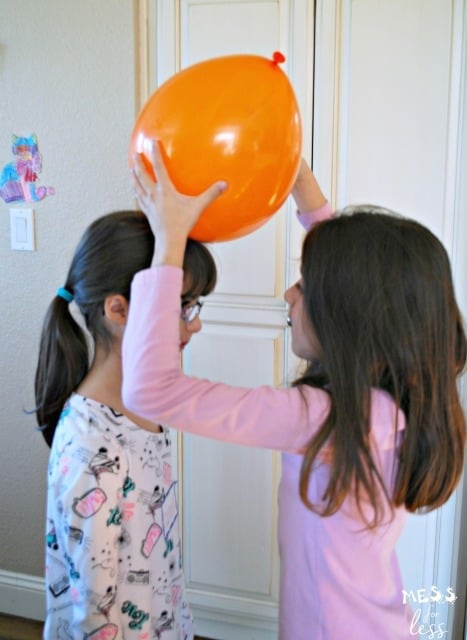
(378, 291)
(112, 249)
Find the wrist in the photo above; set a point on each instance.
(169, 251)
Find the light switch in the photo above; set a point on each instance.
(22, 229)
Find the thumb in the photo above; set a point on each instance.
(211, 193)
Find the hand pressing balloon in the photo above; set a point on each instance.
(170, 213)
(234, 118)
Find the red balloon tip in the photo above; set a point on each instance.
(278, 57)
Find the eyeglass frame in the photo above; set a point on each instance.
(189, 312)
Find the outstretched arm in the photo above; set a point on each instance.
(154, 386)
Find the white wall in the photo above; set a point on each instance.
(67, 73)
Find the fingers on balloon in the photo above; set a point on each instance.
(138, 172)
(158, 163)
(247, 132)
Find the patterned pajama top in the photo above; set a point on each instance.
(113, 557)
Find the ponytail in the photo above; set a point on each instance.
(63, 362)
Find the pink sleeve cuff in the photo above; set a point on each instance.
(308, 218)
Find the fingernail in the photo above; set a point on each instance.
(223, 185)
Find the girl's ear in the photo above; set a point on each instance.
(116, 309)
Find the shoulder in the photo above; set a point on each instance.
(86, 426)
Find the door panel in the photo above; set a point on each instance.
(388, 130)
(229, 493)
(380, 91)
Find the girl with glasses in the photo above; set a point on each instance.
(371, 431)
(113, 558)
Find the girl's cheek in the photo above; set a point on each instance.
(182, 331)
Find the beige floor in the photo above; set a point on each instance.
(20, 629)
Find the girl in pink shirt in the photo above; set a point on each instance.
(372, 430)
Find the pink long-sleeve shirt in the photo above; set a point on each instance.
(338, 580)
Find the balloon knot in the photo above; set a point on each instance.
(278, 57)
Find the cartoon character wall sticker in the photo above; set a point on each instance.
(18, 178)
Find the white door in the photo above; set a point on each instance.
(379, 92)
(388, 128)
(228, 493)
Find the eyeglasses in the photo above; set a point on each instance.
(190, 312)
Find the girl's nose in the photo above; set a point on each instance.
(195, 325)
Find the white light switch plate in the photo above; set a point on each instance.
(22, 229)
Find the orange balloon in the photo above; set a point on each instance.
(233, 118)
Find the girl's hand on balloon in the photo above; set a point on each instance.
(170, 213)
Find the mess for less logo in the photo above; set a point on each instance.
(427, 626)
(423, 596)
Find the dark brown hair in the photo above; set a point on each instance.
(112, 249)
(379, 294)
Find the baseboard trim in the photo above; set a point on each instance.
(22, 595)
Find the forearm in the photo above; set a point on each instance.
(306, 191)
